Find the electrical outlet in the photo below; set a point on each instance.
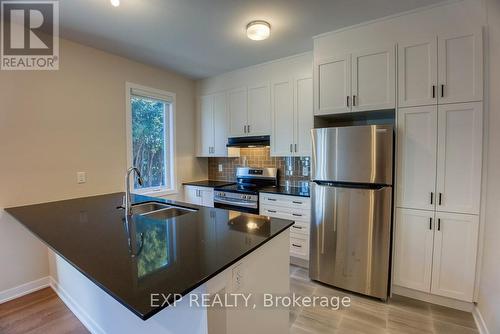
(237, 277)
(81, 177)
(220, 168)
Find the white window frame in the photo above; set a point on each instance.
(157, 94)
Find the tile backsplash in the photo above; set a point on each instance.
(293, 171)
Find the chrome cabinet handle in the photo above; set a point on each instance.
(430, 223)
(354, 100)
(291, 147)
(295, 147)
(442, 90)
(348, 101)
(440, 199)
(439, 224)
(432, 197)
(433, 91)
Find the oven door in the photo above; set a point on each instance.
(237, 206)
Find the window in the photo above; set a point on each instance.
(150, 138)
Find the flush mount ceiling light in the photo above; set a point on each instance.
(258, 30)
(115, 3)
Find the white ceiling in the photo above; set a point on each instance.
(201, 38)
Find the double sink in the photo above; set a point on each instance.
(159, 211)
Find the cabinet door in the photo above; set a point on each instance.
(417, 147)
(413, 249)
(259, 110)
(417, 72)
(460, 67)
(373, 80)
(206, 125)
(333, 85)
(304, 116)
(207, 197)
(220, 125)
(460, 144)
(455, 249)
(237, 109)
(283, 121)
(191, 195)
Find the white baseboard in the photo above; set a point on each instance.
(84, 318)
(24, 289)
(478, 318)
(433, 299)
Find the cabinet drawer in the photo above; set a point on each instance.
(286, 213)
(300, 228)
(299, 247)
(285, 201)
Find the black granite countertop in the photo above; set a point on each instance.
(209, 183)
(290, 191)
(178, 254)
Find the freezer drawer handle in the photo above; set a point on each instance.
(295, 245)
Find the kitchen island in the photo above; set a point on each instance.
(139, 274)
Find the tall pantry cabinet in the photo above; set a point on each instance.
(440, 139)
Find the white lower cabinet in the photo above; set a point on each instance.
(291, 208)
(454, 261)
(435, 252)
(199, 195)
(413, 249)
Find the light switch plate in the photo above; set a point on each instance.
(81, 177)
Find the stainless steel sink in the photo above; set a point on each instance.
(160, 211)
(142, 208)
(167, 213)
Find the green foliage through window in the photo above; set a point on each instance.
(149, 124)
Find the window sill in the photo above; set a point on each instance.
(158, 193)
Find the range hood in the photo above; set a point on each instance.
(253, 141)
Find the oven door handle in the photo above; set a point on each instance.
(234, 203)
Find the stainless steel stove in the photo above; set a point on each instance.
(244, 195)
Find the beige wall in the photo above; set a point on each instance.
(489, 288)
(53, 124)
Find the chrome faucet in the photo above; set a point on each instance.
(127, 203)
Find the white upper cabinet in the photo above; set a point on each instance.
(413, 244)
(373, 79)
(359, 81)
(259, 110)
(416, 152)
(220, 125)
(282, 136)
(459, 157)
(237, 110)
(206, 126)
(212, 124)
(460, 67)
(333, 85)
(455, 250)
(303, 116)
(292, 111)
(417, 68)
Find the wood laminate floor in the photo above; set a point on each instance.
(43, 312)
(400, 315)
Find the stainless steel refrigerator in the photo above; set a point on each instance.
(351, 194)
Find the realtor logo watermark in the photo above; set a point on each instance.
(29, 35)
